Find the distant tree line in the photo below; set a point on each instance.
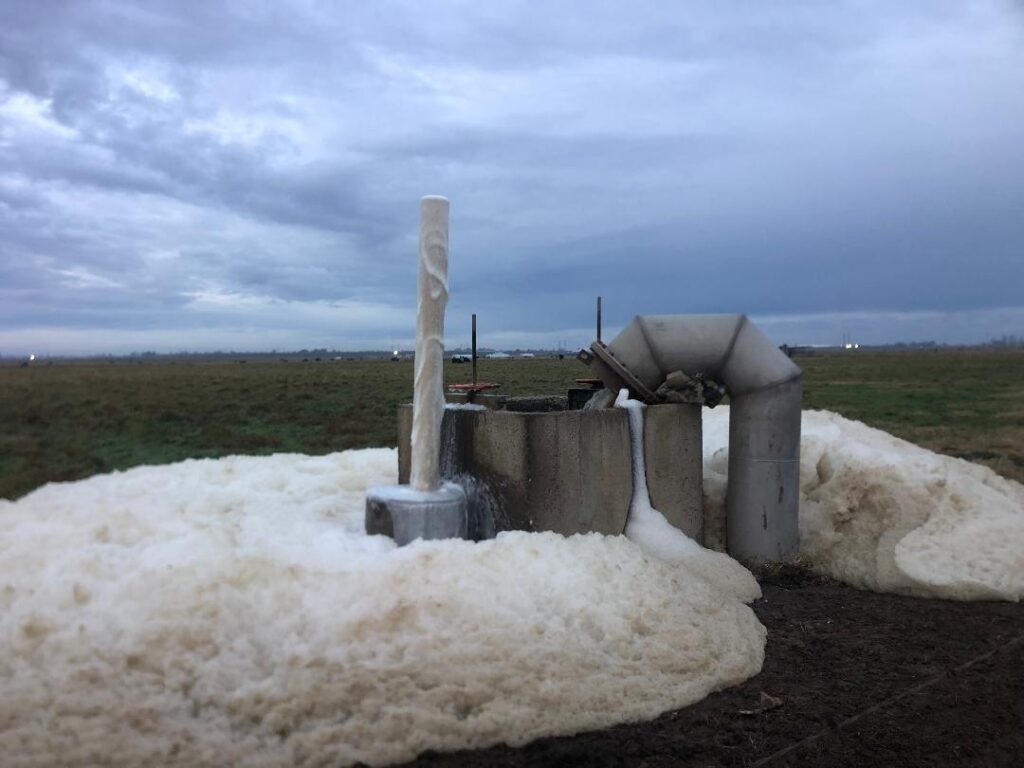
(1009, 340)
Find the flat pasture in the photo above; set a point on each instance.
(69, 420)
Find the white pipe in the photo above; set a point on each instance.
(762, 499)
(428, 385)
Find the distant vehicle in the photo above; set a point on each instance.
(498, 356)
(462, 358)
(527, 354)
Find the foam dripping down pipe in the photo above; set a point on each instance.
(428, 384)
(763, 492)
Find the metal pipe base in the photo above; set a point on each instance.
(405, 514)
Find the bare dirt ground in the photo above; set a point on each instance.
(850, 678)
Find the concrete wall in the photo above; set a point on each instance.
(673, 446)
(569, 471)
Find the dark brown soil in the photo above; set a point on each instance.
(850, 678)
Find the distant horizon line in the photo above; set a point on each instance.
(1009, 342)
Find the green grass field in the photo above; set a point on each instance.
(70, 420)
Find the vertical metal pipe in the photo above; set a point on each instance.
(428, 385)
(762, 499)
(598, 318)
(474, 348)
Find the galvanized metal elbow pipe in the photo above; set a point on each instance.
(763, 495)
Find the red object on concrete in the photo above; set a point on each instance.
(481, 386)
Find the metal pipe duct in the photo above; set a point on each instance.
(763, 496)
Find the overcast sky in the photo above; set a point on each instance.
(246, 175)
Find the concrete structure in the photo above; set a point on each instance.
(425, 508)
(763, 496)
(565, 471)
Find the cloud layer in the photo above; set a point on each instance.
(187, 175)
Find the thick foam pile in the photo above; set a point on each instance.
(880, 513)
(232, 612)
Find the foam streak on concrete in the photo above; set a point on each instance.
(660, 539)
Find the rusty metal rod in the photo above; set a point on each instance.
(474, 348)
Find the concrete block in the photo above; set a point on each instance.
(566, 471)
(673, 445)
(545, 471)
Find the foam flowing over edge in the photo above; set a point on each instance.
(658, 538)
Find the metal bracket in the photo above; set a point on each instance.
(606, 363)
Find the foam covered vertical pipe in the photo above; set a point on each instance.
(428, 385)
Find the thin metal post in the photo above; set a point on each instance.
(598, 318)
(474, 348)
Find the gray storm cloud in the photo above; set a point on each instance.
(186, 175)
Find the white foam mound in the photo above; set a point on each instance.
(880, 513)
(233, 612)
